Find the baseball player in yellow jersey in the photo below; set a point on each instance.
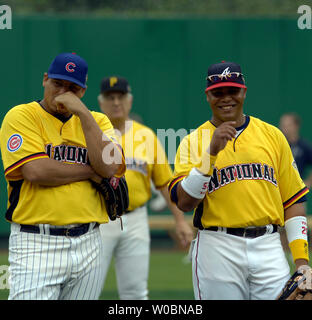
(146, 160)
(51, 150)
(239, 175)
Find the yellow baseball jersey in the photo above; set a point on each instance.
(28, 133)
(254, 179)
(146, 160)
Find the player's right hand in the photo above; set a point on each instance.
(71, 102)
(224, 133)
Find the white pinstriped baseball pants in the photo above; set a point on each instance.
(45, 267)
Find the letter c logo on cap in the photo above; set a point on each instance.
(70, 67)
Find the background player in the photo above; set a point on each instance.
(300, 148)
(158, 202)
(146, 161)
(55, 247)
(242, 186)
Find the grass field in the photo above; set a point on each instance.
(170, 277)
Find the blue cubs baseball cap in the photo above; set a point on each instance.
(225, 74)
(71, 67)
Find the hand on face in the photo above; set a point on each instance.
(62, 96)
(70, 102)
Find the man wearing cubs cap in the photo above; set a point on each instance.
(131, 246)
(243, 185)
(51, 150)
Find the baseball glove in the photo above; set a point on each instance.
(297, 288)
(115, 193)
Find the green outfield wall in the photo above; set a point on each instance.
(165, 61)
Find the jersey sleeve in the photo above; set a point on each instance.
(182, 164)
(291, 186)
(108, 129)
(162, 172)
(189, 155)
(20, 142)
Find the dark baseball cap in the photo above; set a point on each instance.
(115, 83)
(71, 67)
(225, 74)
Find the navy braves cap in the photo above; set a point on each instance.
(71, 67)
(225, 74)
(115, 83)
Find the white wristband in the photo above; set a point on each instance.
(296, 228)
(195, 184)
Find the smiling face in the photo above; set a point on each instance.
(227, 104)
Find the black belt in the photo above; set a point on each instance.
(69, 232)
(250, 232)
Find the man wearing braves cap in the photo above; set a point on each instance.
(242, 184)
(51, 150)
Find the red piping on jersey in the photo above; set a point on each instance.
(20, 162)
(175, 181)
(196, 267)
(296, 197)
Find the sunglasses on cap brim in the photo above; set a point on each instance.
(228, 77)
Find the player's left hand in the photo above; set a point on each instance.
(298, 287)
(184, 233)
(70, 102)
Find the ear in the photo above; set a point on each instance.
(245, 91)
(208, 96)
(81, 92)
(45, 79)
(131, 101)
(100, 100)
(130, 97)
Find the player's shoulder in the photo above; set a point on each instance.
(142, 128)
(139, 125)
(99, 116)
(195, 137)
(205, 128)
(266, 128)
(22, 111)
(263, 124)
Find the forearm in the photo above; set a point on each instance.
(177, 214)
(49, 172)
(186, 202)
(103, 155)
(184, 231)
(296, 231)
(193, 188)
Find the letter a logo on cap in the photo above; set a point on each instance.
(226, 72)
(70, 67)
